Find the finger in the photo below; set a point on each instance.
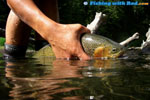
(84, 30)
(82, 55)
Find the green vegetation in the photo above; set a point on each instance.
(2, 41)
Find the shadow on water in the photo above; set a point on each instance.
(46, 78)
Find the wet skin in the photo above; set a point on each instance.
(42, 16)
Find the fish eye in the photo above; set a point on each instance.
(114, 49)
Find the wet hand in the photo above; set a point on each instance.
(66, 41)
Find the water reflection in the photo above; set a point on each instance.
(45, 81)
(46, 78)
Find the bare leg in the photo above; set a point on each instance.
(17, 35)
(17, 32)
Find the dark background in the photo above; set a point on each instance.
(122, 21)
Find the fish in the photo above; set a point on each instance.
(100, 46)
(94, 45)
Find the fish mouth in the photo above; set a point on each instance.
(117, 55)
(120, 54)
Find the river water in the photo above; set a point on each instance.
(46, 78)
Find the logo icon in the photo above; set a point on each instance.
(85, 3)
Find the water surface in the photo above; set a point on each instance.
(46, 78)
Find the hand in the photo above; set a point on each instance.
(65, 41)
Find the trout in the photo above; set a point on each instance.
(94, 45)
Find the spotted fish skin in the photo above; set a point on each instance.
(100, 46)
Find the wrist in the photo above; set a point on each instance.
(52, 30)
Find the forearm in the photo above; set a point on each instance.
(64, 39)
(29, 13)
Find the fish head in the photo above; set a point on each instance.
(109, 51)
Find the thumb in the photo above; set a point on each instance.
(82, 55)
(84, 30)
